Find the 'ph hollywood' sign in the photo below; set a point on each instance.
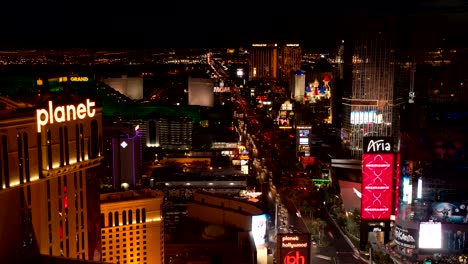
(294, 248)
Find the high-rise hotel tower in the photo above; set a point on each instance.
(47, 150)
(369, 105)
(272, 61)
(132, 229)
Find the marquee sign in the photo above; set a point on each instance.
(64, 113)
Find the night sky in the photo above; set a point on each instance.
(134, 24)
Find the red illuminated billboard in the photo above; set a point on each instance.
(376, 188)
(294, 248)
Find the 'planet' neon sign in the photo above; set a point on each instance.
(64, 113)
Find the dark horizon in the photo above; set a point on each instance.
(53, 26)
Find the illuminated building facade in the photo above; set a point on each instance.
(432, 192)
(289, 60)
(444, 67)
(183, 186)
(432, 216)
(369, 107)
(297, 84)
(131, 87)
(263, 61)
(132, 229)
(201, 91)
(48, 151)
(274, 61)
(127, 158)
(342, 81)
(170, 133)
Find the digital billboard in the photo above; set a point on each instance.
(377, 178)
(377, 172)
(303, 141)
(430, 235)
(283, 119)
(452, 212)
(259, 228)
(283, 122)
(304, 133)
(407, 194)
(304, 148)
(294, 248)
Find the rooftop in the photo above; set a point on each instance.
(129, 195)
(202, 242)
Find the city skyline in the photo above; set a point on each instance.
(62, 166)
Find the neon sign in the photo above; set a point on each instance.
(221, 89)
(378, 144)
(244, 157)
(292, 242)
(292, 258)
(294, 248)
(64, 113)
(79, 79)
